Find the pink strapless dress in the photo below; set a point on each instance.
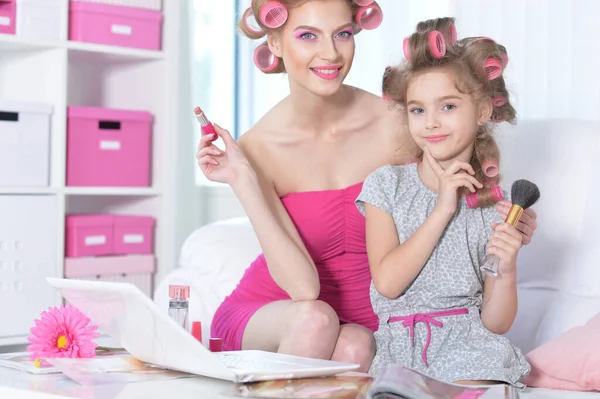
(333, 231)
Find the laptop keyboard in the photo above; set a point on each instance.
(241, 362)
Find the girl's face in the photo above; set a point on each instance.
(442, 118)
(317, 45)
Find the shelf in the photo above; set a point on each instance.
(16, 43)
(112, 191)
(28, 190)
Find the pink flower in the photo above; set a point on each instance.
(62, 332)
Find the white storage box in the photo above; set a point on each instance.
(40, 19)
(155, 5)
(24, 144)
(28, 254)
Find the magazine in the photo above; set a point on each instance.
(397, 382)
(21, 361)
(343, 386)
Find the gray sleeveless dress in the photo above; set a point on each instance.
(449, 347)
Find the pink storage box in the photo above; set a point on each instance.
(8, 13)
(108, 147)
(115, 25)
(137, 270)
(89, 235)
(133, 234)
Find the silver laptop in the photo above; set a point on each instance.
(133, 320)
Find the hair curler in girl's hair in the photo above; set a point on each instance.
(437, 45)
(487, 152)
(499, 101)
(249, 20)
(493, 194)
(406, 48)
(363, 3)
(493, 68)
(453, 34)
(273, 14)
(264, 59)
(368, 16)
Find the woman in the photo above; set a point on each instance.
(297, 173)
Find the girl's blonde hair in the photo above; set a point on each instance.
(477, 64)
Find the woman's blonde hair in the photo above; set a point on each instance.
(477, 64)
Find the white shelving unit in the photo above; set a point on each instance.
(64, 73)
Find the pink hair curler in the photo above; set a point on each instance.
(437, 45)
(369, 17)
(493, 68)
(504, 60)
(264, 59)
(489, 182)
(499, 101)
(473, 199)
(483, 38)
(406, 48)
(490, 168)
(273, 14)
(385, 97)
(453, 34)
(363, 3)
(250, 21)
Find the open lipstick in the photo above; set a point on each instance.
(206, 125)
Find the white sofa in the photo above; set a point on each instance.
(559, 272)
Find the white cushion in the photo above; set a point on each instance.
(213, 260)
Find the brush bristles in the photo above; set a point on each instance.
(524, 193)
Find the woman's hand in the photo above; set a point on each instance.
(459, 174)
(505, 244)
(527, 223)
(224, 166)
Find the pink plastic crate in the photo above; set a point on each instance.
(133, 235)
(89, 235)
(115, 25)
(135, 269)
(8, 14)
(108, 147)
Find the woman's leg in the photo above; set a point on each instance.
(355, 344)
(305, 328)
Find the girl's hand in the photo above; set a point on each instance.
(458, 174)
(527, 223)
(218, 165)
(505, 244)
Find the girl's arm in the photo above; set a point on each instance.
(393, 265)
(500, 302)
(288, 260)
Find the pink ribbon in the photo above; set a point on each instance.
(428, 319)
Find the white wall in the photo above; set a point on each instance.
(553, 70)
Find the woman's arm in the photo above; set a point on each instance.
(393, 265)
(288, 260)
(500, 301)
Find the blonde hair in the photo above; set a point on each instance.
(477, 65)
(264, 30)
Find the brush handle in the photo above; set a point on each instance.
(491, 266)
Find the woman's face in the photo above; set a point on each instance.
(317, 45)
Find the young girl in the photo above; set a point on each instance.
(430, 224)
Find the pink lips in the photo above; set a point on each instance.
(436, 138)
(328, 72)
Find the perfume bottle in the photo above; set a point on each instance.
(179, 304)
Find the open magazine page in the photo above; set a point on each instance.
(345, 386)
(397, 382)
(21, 361)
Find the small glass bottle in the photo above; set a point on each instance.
(179, 304)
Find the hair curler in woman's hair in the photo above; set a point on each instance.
(273, 14)
(249, 21)
(453, 34)
(490, 168)
(264, 59)
(437, 44)
(492, 195)
(493, 68)
(369, 16)
(406, 48)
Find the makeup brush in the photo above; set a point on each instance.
(523, 194)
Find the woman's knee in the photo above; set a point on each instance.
(355, 344)
(314, 318)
